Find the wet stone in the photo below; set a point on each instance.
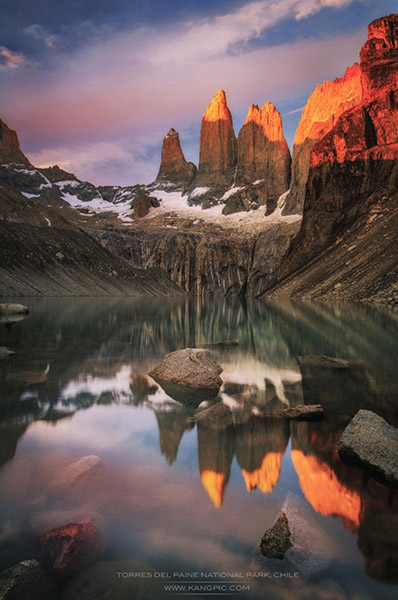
(276, 541)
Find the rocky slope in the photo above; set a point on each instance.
(43, 253)
(347, 244)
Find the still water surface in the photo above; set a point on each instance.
(170, 496)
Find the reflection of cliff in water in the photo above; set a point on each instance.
(364, 506)
(98, 349)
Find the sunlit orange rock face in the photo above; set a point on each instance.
(371, 130)
(262, 151)
(323, 109)
(353, 166)
(173, 167)
(217, 157)
(10, 151)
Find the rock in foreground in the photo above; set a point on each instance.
(26, 581)
(371, 443)
(67, 550)
(276, 540)
(190, 368)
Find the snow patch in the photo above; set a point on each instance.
(230, 193)
(199, 191)
(29, 196)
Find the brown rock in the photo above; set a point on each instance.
(327, 362)
(217, 156)
(302, 412)
(143, 205)
(191, 368)
(10, 151)
(67, 550)
(219, 416)
(276, 541)
(325, 105)
(27, 581)
(262, 151)
(174, 168)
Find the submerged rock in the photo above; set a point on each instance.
(312, 547)
(327, 362)
(77, 470)
(302, 412)
(27, 581)
(276, 541)
(371, 443)
(190, 368)
(5, 352)
(225, 343)
(71, 548)
(13, 309)
(30, 377)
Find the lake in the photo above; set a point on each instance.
(87, 437)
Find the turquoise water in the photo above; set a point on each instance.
(85, 435)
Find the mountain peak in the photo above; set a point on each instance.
(268, 118)
(218, 109)
(174, 168)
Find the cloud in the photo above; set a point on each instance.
(237, 28)
(39, 34)
(296, 110)
(12, 60)
(114, 162)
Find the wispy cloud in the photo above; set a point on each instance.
(223, 33)
(12, 60)
(296, 110)
(40, 34)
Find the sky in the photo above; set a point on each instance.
(94, 85)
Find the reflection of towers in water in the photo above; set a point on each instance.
(215, 451)
(172, 426)
(259, 445)
(364, 506)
